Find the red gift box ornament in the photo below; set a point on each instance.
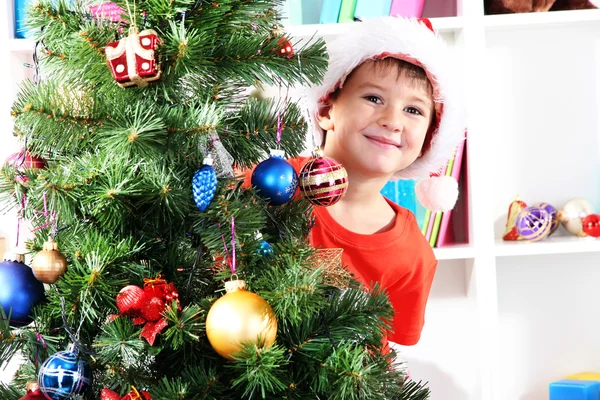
(132, 59)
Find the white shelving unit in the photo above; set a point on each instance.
(504, 319)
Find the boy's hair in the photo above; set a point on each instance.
(415, 42)
(411, 73)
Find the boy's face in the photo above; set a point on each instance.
(377, 124)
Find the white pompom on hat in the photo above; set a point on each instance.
(414, 41)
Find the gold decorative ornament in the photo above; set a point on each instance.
(49, 264)
(239, 317)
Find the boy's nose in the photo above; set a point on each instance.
(391, 120)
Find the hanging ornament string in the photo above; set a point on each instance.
(279, 130)
(39, 338)
(74, 336)
(20, 215)
(51, 218)
(132, 19)
(226, 248)
(230, 259)
(232, 245)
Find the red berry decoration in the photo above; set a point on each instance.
(591, 225)
(323, 181)
(22, 161)
(152, 309)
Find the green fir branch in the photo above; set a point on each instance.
(259, 370)
(184, 326)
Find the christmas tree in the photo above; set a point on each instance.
(133, 131)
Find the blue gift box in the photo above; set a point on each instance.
(573, 389)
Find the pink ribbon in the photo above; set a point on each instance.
(20, 216)
(279, 127)
(232, 245)
(49, 221)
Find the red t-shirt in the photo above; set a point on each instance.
(400, 259)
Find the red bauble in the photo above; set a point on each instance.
(152, 309)
(591, 225)
(130, 299)
(323, 181)
(34, 395)
(107, 394)
(33, 392)
(285, 48)
(24, 160)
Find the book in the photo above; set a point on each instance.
(330, 11)
(347, 11)
(407, 8)
(366, 9)
(438, 215)
(305, 12)
(445, 231)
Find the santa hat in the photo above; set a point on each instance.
(414, 41)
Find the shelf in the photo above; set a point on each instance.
(454, 252)
(441, 25)
(541, 19)
(551, 245)
(21, 45)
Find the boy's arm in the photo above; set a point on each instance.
(409, 300)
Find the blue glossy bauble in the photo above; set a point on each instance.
(204, 186)
(65, 375)
(19, 291)
(265, 249)
(276, 180)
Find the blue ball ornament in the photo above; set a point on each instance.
(265, 249)
(204, 185)
(20, 291)
(275, 179)
(65, 375)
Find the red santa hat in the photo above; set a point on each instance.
(414, 41)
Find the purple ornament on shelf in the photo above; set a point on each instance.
(553, 213)
(533, 223)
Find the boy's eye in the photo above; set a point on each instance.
(413, 110)
(374, 99)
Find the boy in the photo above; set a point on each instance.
(387, 109)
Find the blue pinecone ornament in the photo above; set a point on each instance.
(204, 185)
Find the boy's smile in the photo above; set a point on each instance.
(377, 124)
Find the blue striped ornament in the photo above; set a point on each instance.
(204, 185)
(65, 375)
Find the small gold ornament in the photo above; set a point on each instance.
(239, 316)
(49, 264)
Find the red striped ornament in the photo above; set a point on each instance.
(323, 181)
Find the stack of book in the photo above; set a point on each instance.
(302, 12)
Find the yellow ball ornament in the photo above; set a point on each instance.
(239, 317)
(49, 264)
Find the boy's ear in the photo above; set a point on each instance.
(324, 117)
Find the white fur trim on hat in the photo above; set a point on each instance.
(413, 41)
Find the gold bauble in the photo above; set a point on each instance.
(572, 214)
(49, 264)
(237, 317)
